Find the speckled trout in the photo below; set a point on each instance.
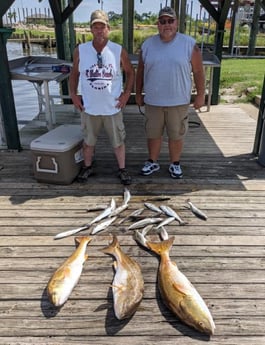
(128, 283)
(178, 293)
(65, 278)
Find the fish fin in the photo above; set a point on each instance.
(161, 247)
(180, 289)
(118, 287)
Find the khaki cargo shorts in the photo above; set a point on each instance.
(174, 119)
(112, 124)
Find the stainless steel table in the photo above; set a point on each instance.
(38, 70)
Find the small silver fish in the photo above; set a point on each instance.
(139, 237)
(157, 198)
(152, 207)
(165, 222)
(71, 232)
(96, 208)
(118, 210)
(105, 213)
(147, 228)
(103, 225)
(143, 222)
(197, 212)
(133, 214)
(163, 233)
(171, 213)
(126, 196)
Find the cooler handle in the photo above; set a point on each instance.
(55, 171)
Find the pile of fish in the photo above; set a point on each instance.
(176, 290)
(111, 213)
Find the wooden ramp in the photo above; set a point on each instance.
(223, 257)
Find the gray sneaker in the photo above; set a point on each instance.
(175, 171)
(149, 167)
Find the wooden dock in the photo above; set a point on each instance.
(223, 257)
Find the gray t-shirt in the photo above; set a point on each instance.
(167, 70)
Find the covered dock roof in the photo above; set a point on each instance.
(61, 11)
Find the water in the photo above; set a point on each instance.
(25, 95)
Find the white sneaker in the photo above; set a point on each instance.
(175, 170)
(149, 167)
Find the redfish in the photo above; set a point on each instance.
(178, 293)
(65, 278)
(128, 283)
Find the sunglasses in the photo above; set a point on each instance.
(166, 21)
(100, 62)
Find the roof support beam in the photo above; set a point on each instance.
(7, 103)
(127, 26)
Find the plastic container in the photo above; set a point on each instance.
(58, 155)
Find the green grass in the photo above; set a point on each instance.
(242, 74)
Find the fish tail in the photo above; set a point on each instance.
(161, 247)
(112, 247)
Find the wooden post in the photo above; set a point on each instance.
(27, 40)
(49, 42)
(254, 29)
(260, 121)
(182, 17)
(7, 98)
(127, 26)
(233, 27)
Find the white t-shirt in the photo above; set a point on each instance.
(100, 85)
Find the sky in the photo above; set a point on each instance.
(82, 13)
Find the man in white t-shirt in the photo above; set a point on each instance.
(98, 67)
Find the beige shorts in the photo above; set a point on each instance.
(174, 119)
(112, 124)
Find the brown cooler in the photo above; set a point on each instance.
(57, 155)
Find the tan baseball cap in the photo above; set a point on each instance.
(99, 16)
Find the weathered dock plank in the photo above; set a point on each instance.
(223, 257)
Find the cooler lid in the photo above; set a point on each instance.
(60, 139)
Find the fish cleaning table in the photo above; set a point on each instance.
(38, 70)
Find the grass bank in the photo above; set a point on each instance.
(242, 78)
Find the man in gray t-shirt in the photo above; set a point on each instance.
(166, 63)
